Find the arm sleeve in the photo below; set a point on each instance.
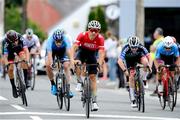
(37, 41)
(157, 54)
(79, 39)
(5, 45)
(101, 43)
(49, 44)
(176, 51)
(67, 42)
(123, 52)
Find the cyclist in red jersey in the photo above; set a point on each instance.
(88, 44)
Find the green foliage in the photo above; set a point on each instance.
(101, 18)
(98, 14)
(12, 19)
(37, 30)
(9, 3)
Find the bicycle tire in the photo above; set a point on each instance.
(142, 105)
(171, 94)
(175, 91)
(22, 88)
(87, 97)
(66, 94)
(59, 92)
(162, 99)
(33, 77)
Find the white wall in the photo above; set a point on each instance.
(78, 17)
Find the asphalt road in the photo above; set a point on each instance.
(114, 104)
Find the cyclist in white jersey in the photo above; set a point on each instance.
(32, 41)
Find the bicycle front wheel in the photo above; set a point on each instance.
(171, 95)
(59, 91)
(175, 86)
(66, 94)
(141, 98)
(87, 96)
(33, 77)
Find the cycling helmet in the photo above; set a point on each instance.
(94, 24)
(29, 32)
(133, 41)
(168, 42)
(11, 35)
(57, 35)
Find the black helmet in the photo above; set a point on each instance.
(11, 35)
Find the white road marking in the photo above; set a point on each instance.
(18, 107)
(3, 98)
(92, 115)
(35, 117)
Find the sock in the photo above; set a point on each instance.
(131, 90)
(52, 82)
(12, 83)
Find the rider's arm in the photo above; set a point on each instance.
(38, 45)
(49, 57)
(121, 64)
(101, 50)
(25, 49)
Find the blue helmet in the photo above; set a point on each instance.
(57, 35)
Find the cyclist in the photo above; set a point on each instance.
(32, 41)
(15, 44)
(87, 44)
(133, 53)
(58, 45)
(167, 53)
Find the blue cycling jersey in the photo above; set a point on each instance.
(51, 46)
(162, 51)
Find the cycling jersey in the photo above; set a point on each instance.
(168, 56)
(10, 48)
(96, 44)
(132, 58)
(34, 41)
(87, 52)
(58, 51)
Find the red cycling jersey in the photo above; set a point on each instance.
(84, 41)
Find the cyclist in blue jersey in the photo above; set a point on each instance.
(59, 46)
(167, 53)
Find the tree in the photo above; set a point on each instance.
(140, 19)
(24, 15)
(101, 18)
(1, 18)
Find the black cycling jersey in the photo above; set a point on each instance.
(10, 48)
(131, 58)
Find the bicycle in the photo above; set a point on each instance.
(20, 84)
(86, 97)
(168, 88)
(139, 87)
(62, 86)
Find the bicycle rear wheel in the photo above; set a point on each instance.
(66, 94)
(59, 91)
(33, 77)
(87, 96)
(175, 86)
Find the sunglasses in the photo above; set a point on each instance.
(94, 30)
(134, 47)
(168, 48)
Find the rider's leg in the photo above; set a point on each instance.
(68, 76)
(25, 69)
(51, 77)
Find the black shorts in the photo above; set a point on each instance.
(32, 47)
(133, 62)
(11, 55)
(88, 57)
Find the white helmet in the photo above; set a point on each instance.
(133, 41)
(168, 42)
(29, 32)
(94, 24)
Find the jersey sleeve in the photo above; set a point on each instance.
(37, 40)
(101, 43)
(23, 41)
(123, 52)
(176, 51)
(5, 49)
(79, 39)
(49, 44)
(158, 51)
(67, 42)
(145, 51)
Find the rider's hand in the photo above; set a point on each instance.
(126, 72)
(72, 64)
